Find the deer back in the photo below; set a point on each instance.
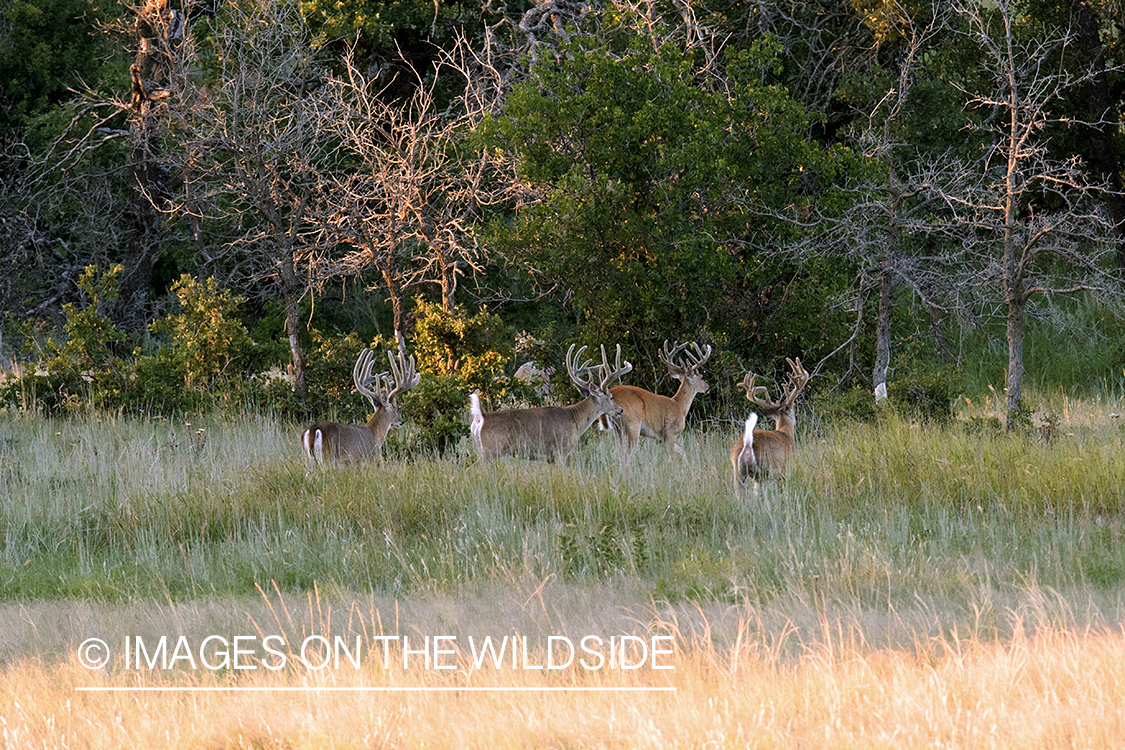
(333, 441)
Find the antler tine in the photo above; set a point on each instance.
(747, 384)
(669, 354)
(617, 371)
(404, 374)
(758, 394)
(363, 379)
(696, 360)
(668, 357)
(798, 378)
(576, 370)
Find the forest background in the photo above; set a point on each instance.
(223, 204)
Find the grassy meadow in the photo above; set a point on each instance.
(910, 585)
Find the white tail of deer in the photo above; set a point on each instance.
(655, 416)
(549, 432)
(332, 441)
(763, 453)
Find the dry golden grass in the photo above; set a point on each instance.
(743, 677)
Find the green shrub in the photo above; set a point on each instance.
(928, 394)
(84, 370)
(437, 406)
(853, 404)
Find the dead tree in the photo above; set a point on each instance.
(253, 152)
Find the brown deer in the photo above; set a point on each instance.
(549, 432)
(333, 441)
(655, 416)
(768, 453)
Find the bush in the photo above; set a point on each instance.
(437, 406)
(84, 370)
(928, 395)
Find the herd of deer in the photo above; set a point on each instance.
(552, 432)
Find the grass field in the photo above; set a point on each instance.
(908, 586)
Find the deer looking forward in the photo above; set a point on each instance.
(549, 432)
(764, 453)
(655, 416)
(333, 441)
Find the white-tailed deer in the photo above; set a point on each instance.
(332, 441)
(549, 432)
(763, 453)
(655, 416)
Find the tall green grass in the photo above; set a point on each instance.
(115, 508)
(1072, 345)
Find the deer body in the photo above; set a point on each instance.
(549, 432)
(347, 441)
(761, 454)
(331, 441)
(660, 417)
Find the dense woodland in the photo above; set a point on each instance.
(208, 204)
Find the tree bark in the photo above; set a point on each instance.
(159, 30)
(398, 306)
(883, 322)
(1016, 305)
(291, 296)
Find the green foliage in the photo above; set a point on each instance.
(328, 367)
(84, 370)
(47, 48)
(380, 29)
(475, 347)
(91, 337)
(459, 353)
(207, 336)
(929, 393)
(853, 404)
(654, 186)
(437, 407)
(158, 385)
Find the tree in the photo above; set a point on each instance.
(252, 153)
(1102, 118)
(413, 188)
(159, 28)
(654, 161)
(1031, 224)
(886, 228)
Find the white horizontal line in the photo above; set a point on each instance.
(408, 689)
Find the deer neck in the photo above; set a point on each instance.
(684, 395)
(786, 422)
(584, 412)
(380, 423)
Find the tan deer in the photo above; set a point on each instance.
(655, 416)
(333, 441)
(549, 432)
(768, 453)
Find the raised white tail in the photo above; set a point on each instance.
(478, 419)
(312, 444)
(746, 457)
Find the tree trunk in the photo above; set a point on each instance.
(448, 287)
(448, 281)
(292, 299)
(883, 334)
(159, 30)
(398, 306)
(1102, 154)
(1016, 305)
